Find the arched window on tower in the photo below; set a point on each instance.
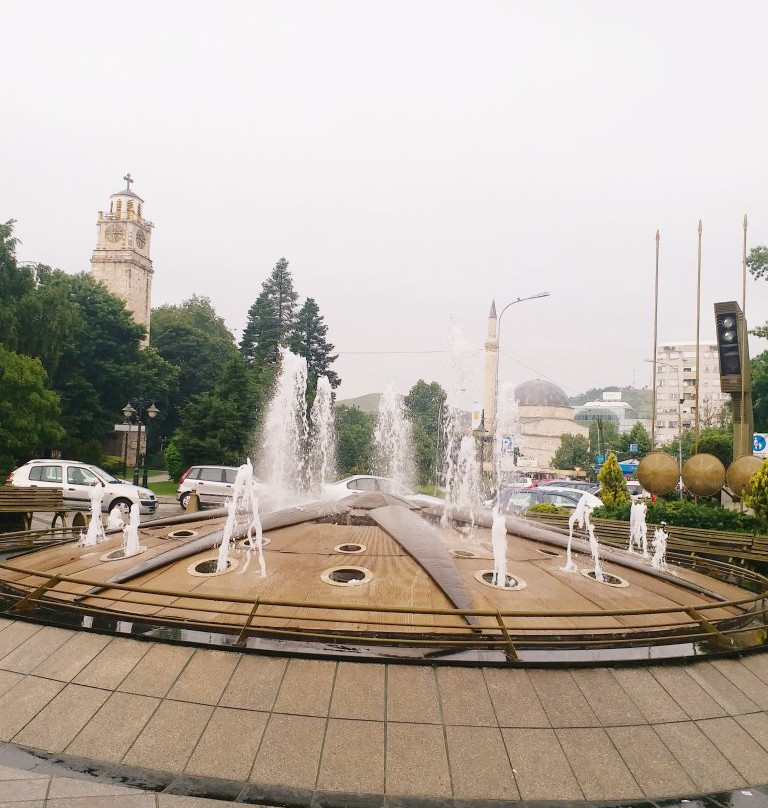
(129, 209)
(111, 203)
(119, 208)
(139, 211)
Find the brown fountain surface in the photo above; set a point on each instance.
(298, 554)
(274, 729)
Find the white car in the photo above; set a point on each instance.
(74, 480)
(365, 483)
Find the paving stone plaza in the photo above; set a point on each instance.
(107, 714)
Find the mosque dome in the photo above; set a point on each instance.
(541, 393)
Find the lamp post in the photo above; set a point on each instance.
(494, 420)
(680, 400)
(141, 414)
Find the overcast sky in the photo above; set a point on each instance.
(412, 160)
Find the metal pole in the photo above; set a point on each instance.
(745, 334)
(146, 455)
(698, 319)
(655, 316)
(137, 460)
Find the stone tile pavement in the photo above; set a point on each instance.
(83, 717)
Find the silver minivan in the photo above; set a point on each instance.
(213, 484)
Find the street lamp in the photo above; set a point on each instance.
(680, 400)
(141, 414)
(494, 420)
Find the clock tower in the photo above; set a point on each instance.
(121, 258)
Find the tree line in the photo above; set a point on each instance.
(71, 356)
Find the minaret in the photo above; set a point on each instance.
(121, 258)
(491, 372)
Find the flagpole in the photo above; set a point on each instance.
(655, 332)
(698, 348)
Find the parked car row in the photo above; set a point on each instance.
(74, 480)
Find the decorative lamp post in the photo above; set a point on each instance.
(141, 414)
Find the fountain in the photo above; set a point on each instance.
(322, 464)
(638, 529)
(131, 533)
(508, 435)
(284, 438)
(499, 547)
(659, 559)
(244, 501)
(462, 481)
(580, 517)
(393, 453)
(115, 520)
(461, 467)
(95, 533)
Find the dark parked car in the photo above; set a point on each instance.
(520, 499)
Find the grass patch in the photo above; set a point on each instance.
(166, 488)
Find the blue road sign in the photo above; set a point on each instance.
(758, 442)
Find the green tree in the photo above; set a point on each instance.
(354, 440)
(760, 391)
(15, 283)
(101, 364)
(613, 488)
(574, 452)
(271, 318)
(29, 412)
(309, 340)
(717, 442)
(196, 341)
(603, 436)
(425, 404)
(757, 495)
(217, 426)
(637, 435)
(757, 261)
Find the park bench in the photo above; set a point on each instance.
(18, 504)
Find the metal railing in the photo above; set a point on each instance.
(702, 627)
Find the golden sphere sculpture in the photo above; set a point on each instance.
(703, 474)
(658, 473)
(740, 472)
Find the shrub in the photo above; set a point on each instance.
(113, 464)
(757, 498)
(685, 513)
(173, 461)
(546, 507)
(613, 486)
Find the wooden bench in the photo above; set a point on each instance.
(18, 504)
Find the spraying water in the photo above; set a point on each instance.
(284, 439)
(580, 517)
(499, 547)
(508, 437)
(463, 489)
(131, 532)
(659, 560)
(95, 533)
(638, 529)
(322, 461)
(594, 548)
(393, 453)
(244, 503)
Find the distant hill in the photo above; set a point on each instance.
(639, 399)
(367, 403)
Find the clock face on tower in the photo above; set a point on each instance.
(141, 239)
(115, 233)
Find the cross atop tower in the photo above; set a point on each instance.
(128, 180)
